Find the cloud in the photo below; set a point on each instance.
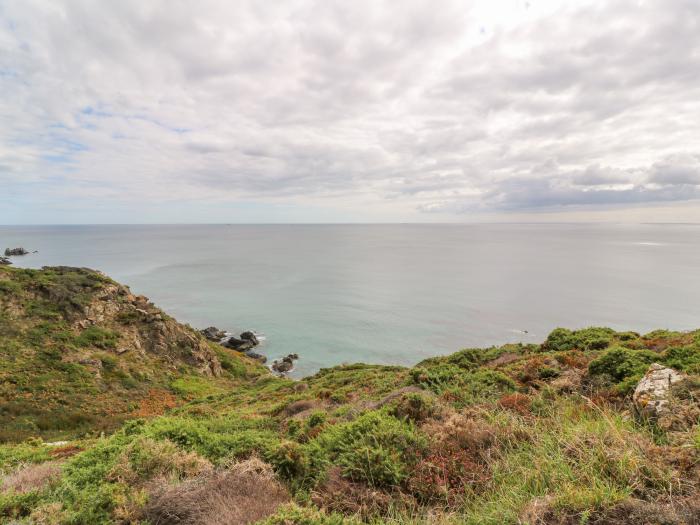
(363, 105)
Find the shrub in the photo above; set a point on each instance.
(463, 387)
(415, 406)
(376, 448)
(686, 358)
(99, 337)
(623, 366)
(593, 338)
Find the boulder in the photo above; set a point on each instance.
(652, 394)
(213, 334)
(15, 251)
(255, 355)
(237, 344)
(5, 261)
(284, 365)
(250, 336)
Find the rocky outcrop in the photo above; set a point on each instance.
(250, 337)
(244, 343)
(15, 251)
(88, 298)
(651, 397)
(234, 343)
(9, 252)
(213, 334)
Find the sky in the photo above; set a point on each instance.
(169, 111)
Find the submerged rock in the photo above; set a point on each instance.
(15, 251)
(213, 334)
(652, 394)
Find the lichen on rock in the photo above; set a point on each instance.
(651, 396)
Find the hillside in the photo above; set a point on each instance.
(531, 434)
(79, 352)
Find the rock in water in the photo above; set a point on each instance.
(15, 251)
(284, 365)
(5, 261)
(255, 355)
(652, 394)
(237, 344)
(213, 334)
(250, 336)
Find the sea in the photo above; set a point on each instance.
(391, 294)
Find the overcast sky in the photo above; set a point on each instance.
(344, 111)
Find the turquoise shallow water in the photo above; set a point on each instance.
(391, 293)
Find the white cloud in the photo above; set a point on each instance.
(456, 107)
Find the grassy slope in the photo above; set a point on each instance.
(77, 355)
(519, 433)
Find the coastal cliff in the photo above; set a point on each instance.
(80, 352)
(158, 425)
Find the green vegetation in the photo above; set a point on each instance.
(512, 434)
(69, 366)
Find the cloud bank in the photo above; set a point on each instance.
(383, 110)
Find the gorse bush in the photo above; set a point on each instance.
(623, 366)
(685, 358)
(376, 448)
(593, 338)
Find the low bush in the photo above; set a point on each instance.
(99, 337)
(593, 338)
(623, 366)
(376, 448)
(685, 358)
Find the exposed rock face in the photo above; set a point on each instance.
(15, 251)
(213, 334)
(652, 394)
(142, 326)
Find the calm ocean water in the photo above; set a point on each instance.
(392, 293)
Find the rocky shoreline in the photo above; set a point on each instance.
(245, 343)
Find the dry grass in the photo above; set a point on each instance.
(146, 459)
(28, 478)
(542, 511)
(245, 492)
(297, 407)
(338, 494)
